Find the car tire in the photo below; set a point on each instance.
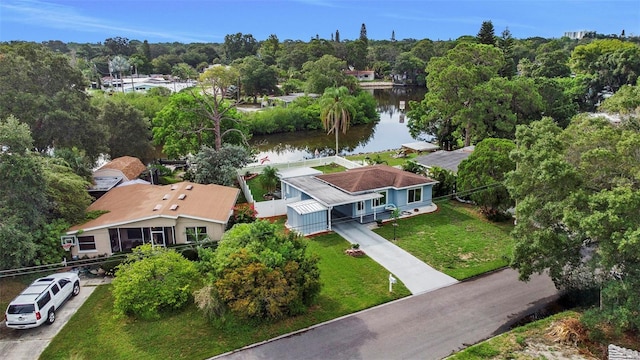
(51, 317)
(76, 289)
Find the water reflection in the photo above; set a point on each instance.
(389, 133)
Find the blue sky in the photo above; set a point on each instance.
(189, 21)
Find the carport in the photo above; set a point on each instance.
(307, 217)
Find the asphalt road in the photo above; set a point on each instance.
(28, 344)
(426, 326)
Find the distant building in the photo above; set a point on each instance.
(577, 35)
(361, 75)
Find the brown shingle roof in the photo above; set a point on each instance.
(372, 178)
(135, 202)
(130, 166)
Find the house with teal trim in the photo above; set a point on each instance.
(363, 194)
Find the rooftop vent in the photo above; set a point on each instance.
(166, 196)
(174, 187)
(182, 196)
(189, 187)
(157, 207)
(174, 207)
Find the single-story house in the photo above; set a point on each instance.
(116, 171)
(448, 160)
(157, 214)
(362, 75)
(364, 194)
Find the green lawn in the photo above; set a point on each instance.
(349, 285)
(386, 156)
(331, 168)
(257, 190)
(455, 240)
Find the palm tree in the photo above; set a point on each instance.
(269, 178)
(119, 64)
(336, 110)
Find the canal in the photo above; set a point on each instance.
(388, 133)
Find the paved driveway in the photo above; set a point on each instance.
(417, 276)
(28, 344)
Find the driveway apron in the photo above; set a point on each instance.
(417, 276)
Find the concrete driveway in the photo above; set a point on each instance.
(417, 276)
(28, 344)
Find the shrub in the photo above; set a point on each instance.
(242, 214)
(152, 280)
(262, 273)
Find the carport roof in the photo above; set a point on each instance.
(325, 193)
(307, 207)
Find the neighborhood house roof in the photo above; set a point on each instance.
(420, 146)
(130, 167)
(374, 177)
(137, 202)
(448, 160)
(327, 194)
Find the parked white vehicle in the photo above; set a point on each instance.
(37, 304)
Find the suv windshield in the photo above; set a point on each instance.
(21, 309)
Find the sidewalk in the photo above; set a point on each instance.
(417, 276)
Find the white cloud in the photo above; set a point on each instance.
(67, 17)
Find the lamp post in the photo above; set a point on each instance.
(395, 225)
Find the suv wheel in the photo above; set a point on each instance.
(51, 317)
(76, 289)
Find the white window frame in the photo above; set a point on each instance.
(199, 236)
(376, 202)
(409, 198)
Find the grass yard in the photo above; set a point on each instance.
(387, 157)
(331, 168)
(257, 190)
(349, 284)
(456, 240)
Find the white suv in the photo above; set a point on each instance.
(38, 303)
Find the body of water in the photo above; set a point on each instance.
(388, 133)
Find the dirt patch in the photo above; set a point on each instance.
(554, 352)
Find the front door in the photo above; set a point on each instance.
(157, 237)
(359, 208)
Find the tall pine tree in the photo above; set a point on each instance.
(363, 33)
(486, 34)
